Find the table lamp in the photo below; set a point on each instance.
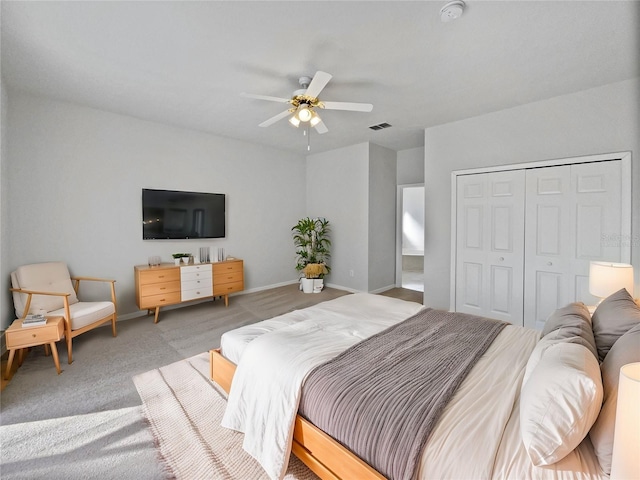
(625, 462)
(606, 278)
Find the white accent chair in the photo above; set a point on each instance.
(47, 288)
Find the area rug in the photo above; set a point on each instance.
(184, 409)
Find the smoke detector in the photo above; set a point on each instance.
(451, 11)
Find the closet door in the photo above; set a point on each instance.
(571, 211)
(490, 245)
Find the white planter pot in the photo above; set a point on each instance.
(318, 285)
(176, 261)
(307, 285)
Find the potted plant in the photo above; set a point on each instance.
(311, 238)
(180, 256)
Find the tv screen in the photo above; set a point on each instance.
(169, 214)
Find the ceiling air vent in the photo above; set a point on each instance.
(380, 126)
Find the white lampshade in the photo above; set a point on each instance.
(294, 121)
(606, 278)
(315, 119)
(625, 462)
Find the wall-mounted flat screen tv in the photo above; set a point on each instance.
(170, 214)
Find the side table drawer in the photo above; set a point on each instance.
(22, 337)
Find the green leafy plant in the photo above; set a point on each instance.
(180, 255)
(311, 238)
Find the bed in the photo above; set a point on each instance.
(532, 405)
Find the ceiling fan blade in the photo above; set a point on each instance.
(321, 127)
(319, 81)
(266, 97)
(274, 119)
(354, 107)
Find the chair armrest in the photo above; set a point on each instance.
(76, 285)
(34, 292)
(92, 279)
(30, 293)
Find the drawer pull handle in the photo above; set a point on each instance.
(33, 335)
(163, 288)
(160, 276)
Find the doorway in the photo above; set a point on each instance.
(410, 237)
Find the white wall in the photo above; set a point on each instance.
(338, 189)
(599, 120)
(5, 296)
(75, 176)
(382, 218)
(410, 166)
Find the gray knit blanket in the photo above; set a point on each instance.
(382, 397)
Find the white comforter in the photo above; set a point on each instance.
(265, 392)
(477, 436)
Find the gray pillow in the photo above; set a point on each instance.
(625, 350)
(613, 318)
(571, 324)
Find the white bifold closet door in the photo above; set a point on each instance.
(525, 237)
(571, 211)
(490, 245)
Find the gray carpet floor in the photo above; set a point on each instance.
(87, 422)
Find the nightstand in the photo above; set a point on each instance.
(19, 338)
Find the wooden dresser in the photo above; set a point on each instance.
(169, 284)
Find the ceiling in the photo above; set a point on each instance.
(186, 63)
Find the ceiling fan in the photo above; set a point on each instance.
(305, 101)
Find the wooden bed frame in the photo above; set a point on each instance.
(322, 454)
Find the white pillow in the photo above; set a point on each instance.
(560, 402)
(534, 358)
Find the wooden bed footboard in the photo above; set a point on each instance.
(322, 454)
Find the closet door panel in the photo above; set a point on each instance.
(570, 210)
(596, 194)
(489, 247)
(548, 243)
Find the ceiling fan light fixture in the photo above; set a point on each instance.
(304, 114)
(315, 119)
(294, 120)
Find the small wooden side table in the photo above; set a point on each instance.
(19, 337)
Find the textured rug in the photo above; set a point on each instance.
(184, 409)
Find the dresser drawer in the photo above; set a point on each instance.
(227, 288)
(159, 288)
(226, 267)
(160, 300)
(204, 284)
(198, 275)
(230, 277)
(205, 268)
(197, 293)
(159, 276)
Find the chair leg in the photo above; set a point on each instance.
(113, 327)
(69, 354)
